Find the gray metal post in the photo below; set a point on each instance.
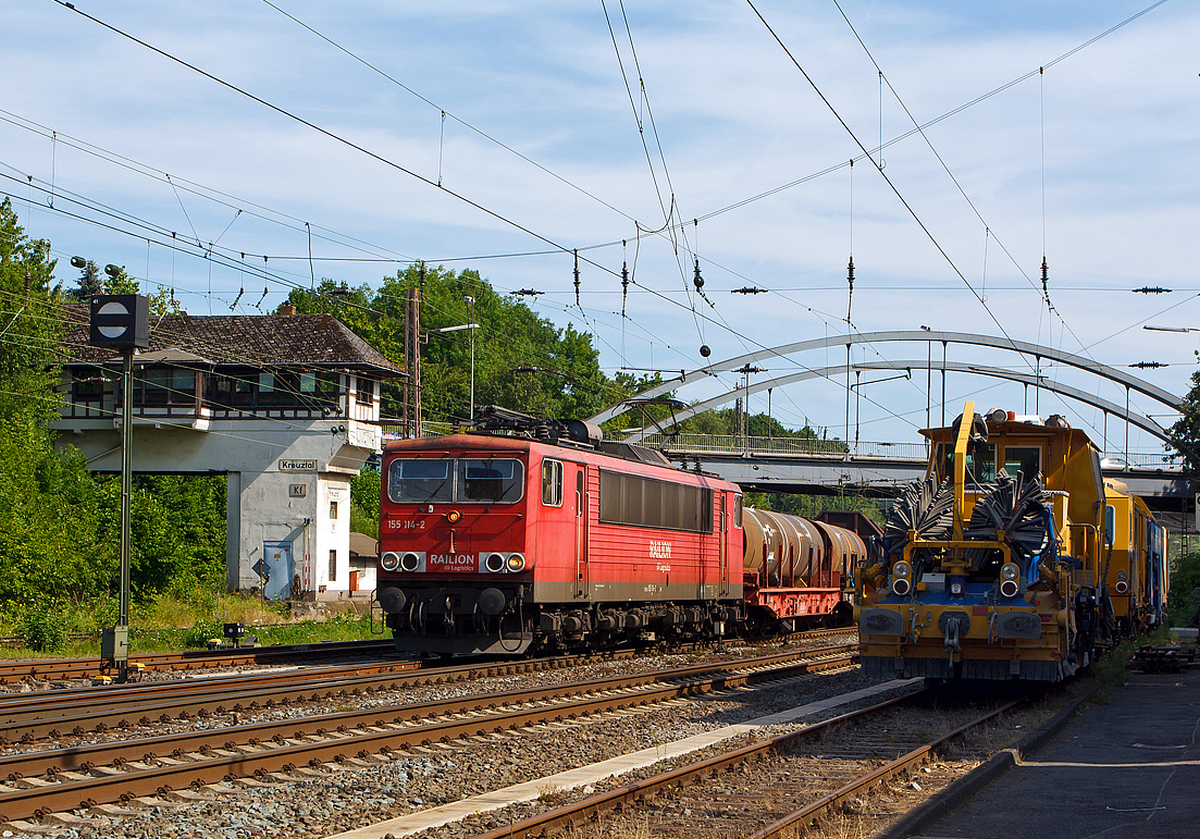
(122, 660)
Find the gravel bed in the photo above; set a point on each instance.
(359, 793)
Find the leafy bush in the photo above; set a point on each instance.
(45, 629)
(198, 636)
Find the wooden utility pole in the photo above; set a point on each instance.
(412, 364)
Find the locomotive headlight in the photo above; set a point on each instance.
(1009, 587)
(902, 570)
(901, 578)
(516, 562)
(1122, 584)
(390, 561)
(410, 562)
(494, 563)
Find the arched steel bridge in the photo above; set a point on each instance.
(1128, 381)
(880, 471)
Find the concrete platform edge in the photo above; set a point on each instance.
(933, 810)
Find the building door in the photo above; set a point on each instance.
(275, 570)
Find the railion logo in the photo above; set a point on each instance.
(450, 562)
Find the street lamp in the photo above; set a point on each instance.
(471, 326)
(1172, 328)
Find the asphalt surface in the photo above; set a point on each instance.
(1127, 767)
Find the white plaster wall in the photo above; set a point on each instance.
(252, 452)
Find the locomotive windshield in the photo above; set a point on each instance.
(497, 481)
(420, 481)
(430, 481)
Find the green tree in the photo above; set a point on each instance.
(522, 361)
(364, 501)
(89, 282)
(1185, 433)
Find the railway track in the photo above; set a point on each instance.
(59, 669)
(62, 669)
(29, 717)
(778, 787)
(47, 781)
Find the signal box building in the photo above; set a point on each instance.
(286, 406)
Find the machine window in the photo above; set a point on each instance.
(552, 483)
(1024, 459)
(1110, 524)
(423, 481)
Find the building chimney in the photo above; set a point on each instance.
(285, 308)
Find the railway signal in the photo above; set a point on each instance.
(121, 321)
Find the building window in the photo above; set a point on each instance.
(333, 564)
(165, 386)
(333, 511)
(87, 385)
(365, 394)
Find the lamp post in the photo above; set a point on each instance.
(471, 326)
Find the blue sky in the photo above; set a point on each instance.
(1093, 162)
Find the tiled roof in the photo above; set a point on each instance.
(243, 340)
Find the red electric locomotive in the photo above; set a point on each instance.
(548, 537)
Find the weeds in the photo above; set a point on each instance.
(169, 623)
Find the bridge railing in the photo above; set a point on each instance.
(784, 446)
(732, 444)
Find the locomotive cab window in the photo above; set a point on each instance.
(552, 483)
(1110, 525)
(496, 481)
(737, 511)
(981, 462)
(420, 481)
(1024, 459)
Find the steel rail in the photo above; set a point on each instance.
(89, 668)
(74, 790)
(69, 759)
(30, 716)
(571, 815)
(807, 816)
(51, 713)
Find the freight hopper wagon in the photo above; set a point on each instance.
(1010, 560)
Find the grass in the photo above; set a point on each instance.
(168, 624)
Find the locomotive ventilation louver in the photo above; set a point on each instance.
(1018, 508)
